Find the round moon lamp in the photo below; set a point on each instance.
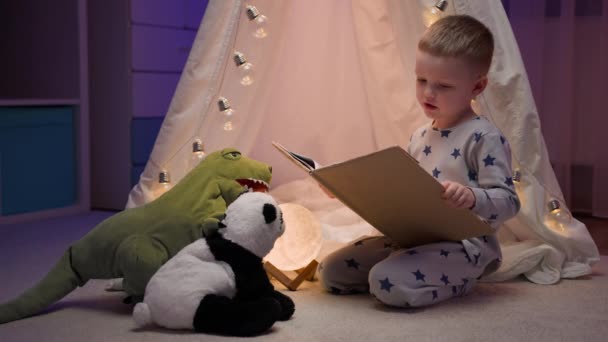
(297, 248)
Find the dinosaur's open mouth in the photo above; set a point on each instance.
(254, 185)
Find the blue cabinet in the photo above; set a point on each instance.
(38, 168)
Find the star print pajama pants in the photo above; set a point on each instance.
(412, 277)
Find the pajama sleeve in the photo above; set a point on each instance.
(495, 198)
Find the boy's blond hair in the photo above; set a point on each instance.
(460, 36)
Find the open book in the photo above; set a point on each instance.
(395, 195)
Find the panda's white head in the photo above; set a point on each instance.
(254, 221)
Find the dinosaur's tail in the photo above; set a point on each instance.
(60, 281)
(142, 314)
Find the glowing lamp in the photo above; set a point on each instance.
(297, 248)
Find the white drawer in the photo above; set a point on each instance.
(152, 93)
(159, 48)
(158, 12)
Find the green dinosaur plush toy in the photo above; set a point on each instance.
(134, 243)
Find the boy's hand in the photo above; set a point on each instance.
(458, 195)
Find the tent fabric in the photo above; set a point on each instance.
(335, 80)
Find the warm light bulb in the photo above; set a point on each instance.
(198, 153)
(246, 71)
(434, 13)
(228, 126)
(259, 20)
(517, 176)
(224, 107)
(245, 68)
(163, 185)
(228, 112)
(557, 217)
(260, 30)
(557, 212)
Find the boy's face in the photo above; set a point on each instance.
(445, 87)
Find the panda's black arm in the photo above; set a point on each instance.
(250, 277)
(287, 305)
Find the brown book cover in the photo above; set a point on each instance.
(395, 195)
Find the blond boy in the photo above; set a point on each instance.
(463, 151)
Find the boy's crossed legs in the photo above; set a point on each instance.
(413, 277)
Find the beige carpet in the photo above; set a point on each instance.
(573, 310)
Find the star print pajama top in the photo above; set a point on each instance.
(473, 153)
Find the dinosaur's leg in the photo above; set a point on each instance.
(222, 315)
(60, 281)
(138, 258)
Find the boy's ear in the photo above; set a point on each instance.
(480, 85)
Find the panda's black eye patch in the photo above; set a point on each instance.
(270, 213)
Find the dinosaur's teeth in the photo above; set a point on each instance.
(258, 181)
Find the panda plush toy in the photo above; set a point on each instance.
(218, 284)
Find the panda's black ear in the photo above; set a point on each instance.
(270, 213)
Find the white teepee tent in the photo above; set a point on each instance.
(334, 80)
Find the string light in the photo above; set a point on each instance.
(517, 176)
(557, 218)
(246, 71)
(434, 13)
(559, 213)
(164, 183)
(225, 109)
(198, 153)
(164, 178)
(245, 68)
(259, 20)
(228, 126)
(224, 106)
